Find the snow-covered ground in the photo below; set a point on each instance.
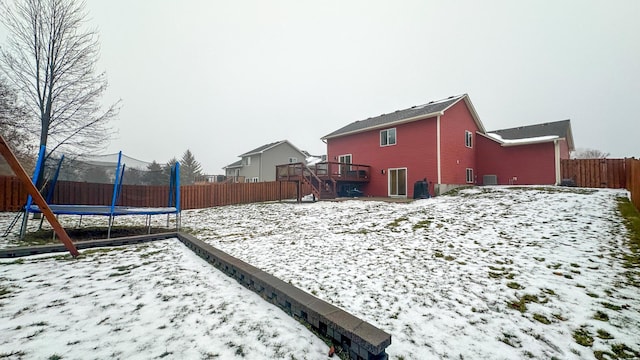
(491, 273)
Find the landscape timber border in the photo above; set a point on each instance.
(358, 338)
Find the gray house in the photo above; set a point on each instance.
(260, 163)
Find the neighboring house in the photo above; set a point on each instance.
(443, 141)
(260, 163)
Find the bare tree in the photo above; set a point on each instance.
(12, 120)
(589, 154)
(51, 61)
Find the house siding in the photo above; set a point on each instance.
(455, 156)
(565, 153)
(415, 150)
(532, 164)
(253, 170)
(277, 156)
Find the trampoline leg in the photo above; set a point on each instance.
(23, 229)
(41, 221)
(109, 229)
(148, 224)
(80, 222)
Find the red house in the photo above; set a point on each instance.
(445, 142)
(527, 155)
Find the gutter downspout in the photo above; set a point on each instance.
(438, 150)
(556, 146)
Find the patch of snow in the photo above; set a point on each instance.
(524, 140)
(444, 276)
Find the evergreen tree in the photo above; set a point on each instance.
(155, 174)
(166, 171)
(190, 168)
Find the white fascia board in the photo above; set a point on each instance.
(531, 142)
(386, 125)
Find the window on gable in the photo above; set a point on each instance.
(293, 160)
(470, 176)
(468, 139)
(247, 160)
(388, 137)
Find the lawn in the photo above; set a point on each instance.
(496, 273)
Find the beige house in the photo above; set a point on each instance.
(260, 163)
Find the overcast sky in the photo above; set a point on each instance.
(223, 77)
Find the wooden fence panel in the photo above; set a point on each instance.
(12, 194)
(595, 173)
(633, 181)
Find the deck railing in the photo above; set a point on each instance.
(325, 170)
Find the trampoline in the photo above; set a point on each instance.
(115, 173)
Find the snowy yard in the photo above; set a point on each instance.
(491, 273)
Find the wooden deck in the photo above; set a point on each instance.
(324, 178)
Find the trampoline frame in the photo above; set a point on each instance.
(112, 210)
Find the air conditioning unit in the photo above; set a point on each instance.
(490, 180)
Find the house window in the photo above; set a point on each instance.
(468, 139)
(293, 160)
(469, 176)
(388, 137)
(247, 160)
(255, 179)
(344, 159)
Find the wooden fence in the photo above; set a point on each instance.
(605, 173)
(13, 195)
(633, 181)
(595, 173)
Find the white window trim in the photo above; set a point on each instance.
(248, 162)
(293, 160)
(340, 157)
(255, 180)
(395, 138)
(468, 139)
(345, 155)
(406, 181)
(469, 170)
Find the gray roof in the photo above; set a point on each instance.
(262, 148)
(234, 165)
(430, 108)
(561, 129)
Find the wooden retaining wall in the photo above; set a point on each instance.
(13, 195)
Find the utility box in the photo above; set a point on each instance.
(421, 189)
(490, 180)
